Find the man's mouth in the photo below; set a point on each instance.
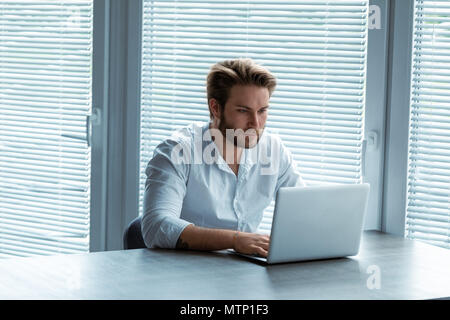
(252, 132)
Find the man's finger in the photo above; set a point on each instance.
(265, 246)
(262, 252)
(257, 250)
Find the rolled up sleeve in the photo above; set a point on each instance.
(165, 189)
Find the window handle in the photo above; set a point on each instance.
(372, 143)
(91, 119)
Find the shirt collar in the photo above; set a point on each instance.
(248, 157)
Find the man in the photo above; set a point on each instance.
(212, 197)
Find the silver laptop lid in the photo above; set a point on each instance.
(317, 222)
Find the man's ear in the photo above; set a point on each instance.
(214, 108)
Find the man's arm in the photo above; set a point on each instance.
(199, 238)
(161, 223)
(165, 189)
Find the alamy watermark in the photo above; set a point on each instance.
(374, 280)
(374, 17)
(207, 146)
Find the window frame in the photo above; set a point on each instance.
(115, 139)
(375, 113)
(99, 100)
(397, 117)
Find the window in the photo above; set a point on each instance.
(45, 97)
(317, 50)
(428, 196)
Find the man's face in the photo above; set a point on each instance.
(245, 112)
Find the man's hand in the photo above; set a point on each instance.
(251, 243)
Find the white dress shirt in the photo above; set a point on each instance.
(189, 182)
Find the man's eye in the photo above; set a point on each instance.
(262, 111)
(242, 110)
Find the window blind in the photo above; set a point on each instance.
(316, 49)
(428, 183)
(45, 97)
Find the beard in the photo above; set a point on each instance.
(239, 137)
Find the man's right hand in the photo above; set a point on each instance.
(251, 243)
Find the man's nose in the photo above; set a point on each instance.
(254, 120)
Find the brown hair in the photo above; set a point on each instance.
(226, 74)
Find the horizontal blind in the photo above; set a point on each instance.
(316, 49)
(428, 197)
(45, 96)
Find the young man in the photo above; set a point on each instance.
(208, 185)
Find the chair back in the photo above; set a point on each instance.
(132, 238)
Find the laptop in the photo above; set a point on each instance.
(316, 222)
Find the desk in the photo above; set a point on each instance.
(407, 270)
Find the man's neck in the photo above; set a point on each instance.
(230, 153)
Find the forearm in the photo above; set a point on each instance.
(199, 238)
